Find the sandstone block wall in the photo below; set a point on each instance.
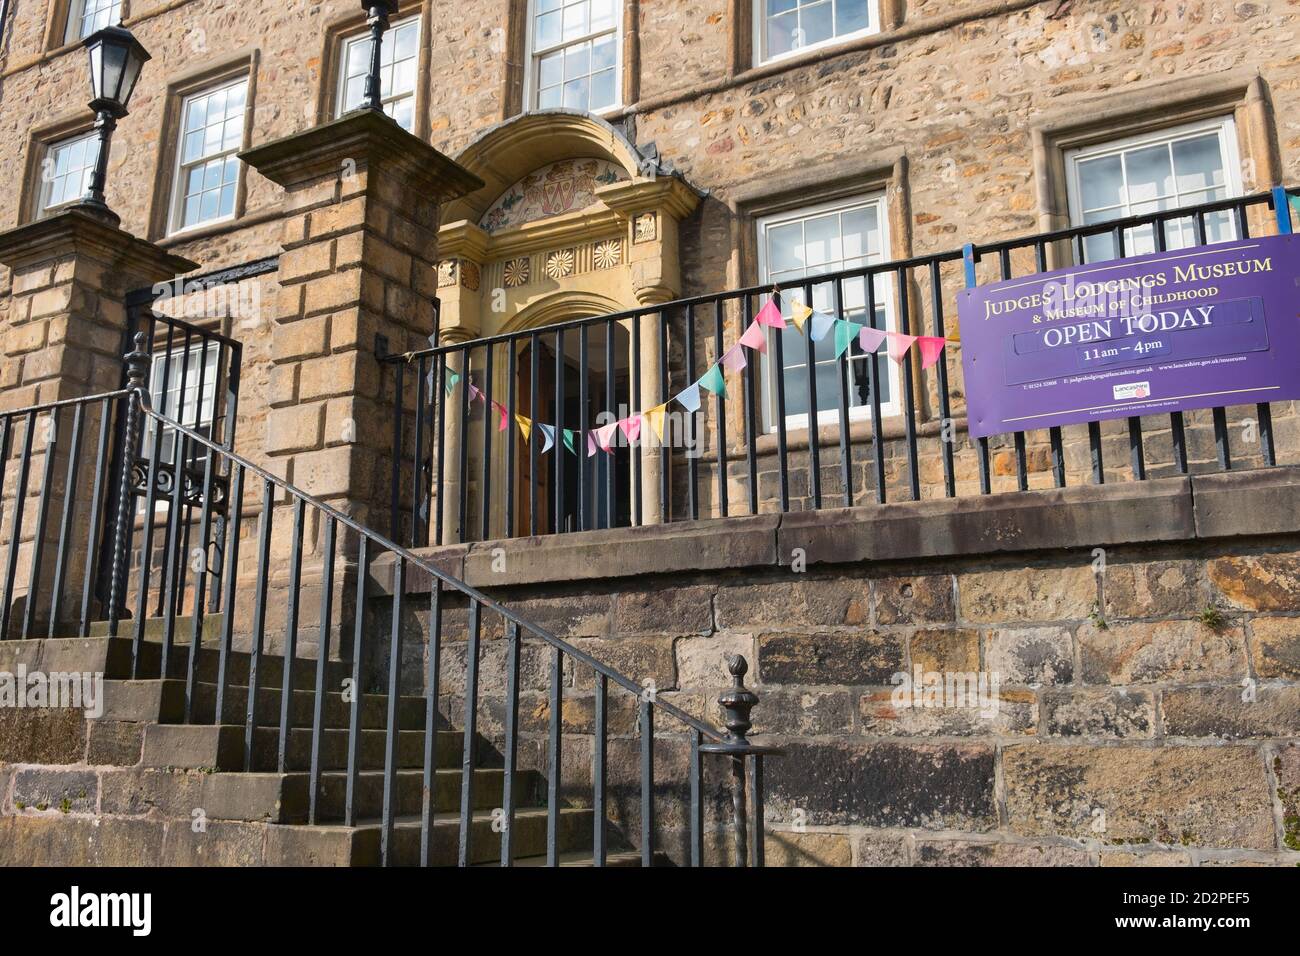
(1146, 707)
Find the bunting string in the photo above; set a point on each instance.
(813, 323)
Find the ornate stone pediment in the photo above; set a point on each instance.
(596, 223)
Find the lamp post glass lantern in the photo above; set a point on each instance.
(377, 14)
(116, 59)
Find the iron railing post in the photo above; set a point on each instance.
(137, 383)
(737, 701)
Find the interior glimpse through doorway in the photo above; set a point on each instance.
(604, 479)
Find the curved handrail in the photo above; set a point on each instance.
(429, 567)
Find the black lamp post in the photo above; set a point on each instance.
(116, 58)
(378, 12)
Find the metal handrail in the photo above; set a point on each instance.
(429, 567)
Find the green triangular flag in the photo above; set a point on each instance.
(569, 435)
(713, 381)
(845, 332)
(452, 379)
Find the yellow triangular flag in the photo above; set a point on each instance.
(800, 313)
(525, 426)
(655, 418)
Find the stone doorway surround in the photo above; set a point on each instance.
(499, 274)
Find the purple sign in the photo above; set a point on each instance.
(1189, 328)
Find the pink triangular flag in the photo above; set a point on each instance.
(504, 415)
(770, 315)
(631, 427)
(591, 444)
(754, 337)
(733, 360)
(605, 435)
(870, 338)
(899, 344)
(931, 347)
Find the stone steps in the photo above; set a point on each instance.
(54, 839)
(284, 797)
(183, 797)
(111, 656)
(163, 701)
(220, 747)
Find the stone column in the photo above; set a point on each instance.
(357, 274)
(462, 246)
(653, 209)
(64, 337)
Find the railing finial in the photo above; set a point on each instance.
(737, 701)
(137, 365)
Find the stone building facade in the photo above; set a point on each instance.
(636, 152)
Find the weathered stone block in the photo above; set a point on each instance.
(1154, 857)
(304, 338)
(868, 657)
(296, 428)
(921, 599)
(115, 743)
(1154, 589)
(570, 615)
(1286, 770)
(677, 611)
(167, 793)
(803, 713)
(702, 661)
(1198, 796)
(930, 786)
(1098, 713)
(1165, 650)
(1275, 647)
(1005, 713)
(643, 659)
(1232, 712)
(223, 843)
(980, 853)
(44, 736)
(1260, 582)
(1027, 594)
(804, 602)
(68, 791)
(1030, 655)
(880, 849)
(787, 848)
(946, 649)
(57, 840)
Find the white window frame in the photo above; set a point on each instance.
(203, 357)
(533, 59)
(175, 223)
(341, 78)
(1225, 126)
(75, 31)
(883, 291)
(43, 205)
(760, 34)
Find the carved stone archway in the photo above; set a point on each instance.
(573, 221)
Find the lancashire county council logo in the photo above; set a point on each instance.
(1132, 390)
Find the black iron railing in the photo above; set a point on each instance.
(60, 491)
(194, 376)
(885, 434)
(344, 552)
